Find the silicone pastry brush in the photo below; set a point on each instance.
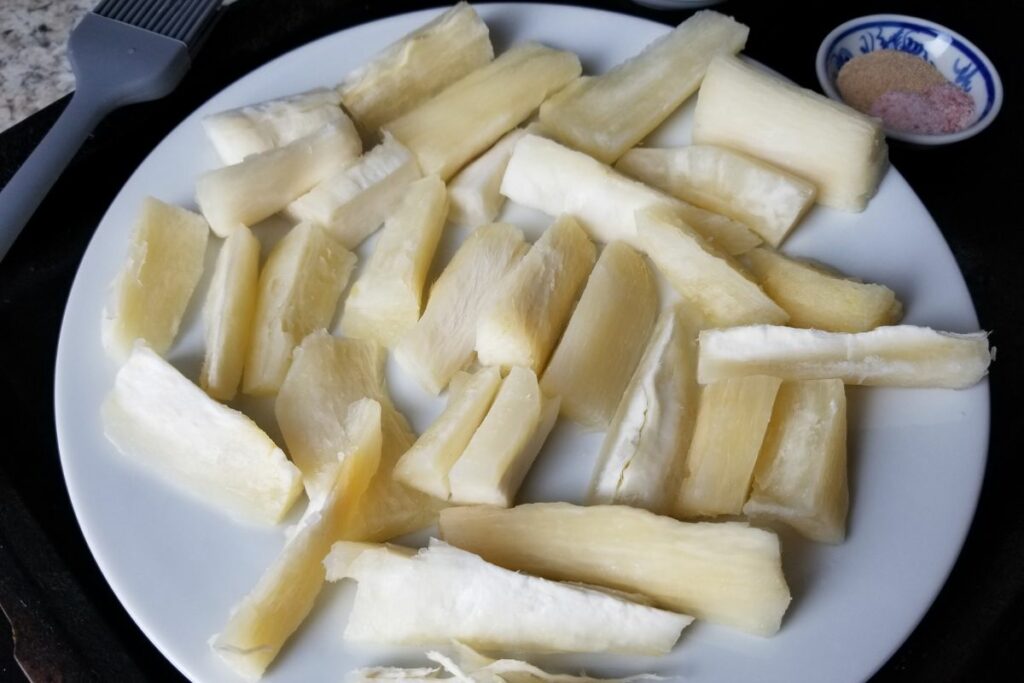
(124, 51)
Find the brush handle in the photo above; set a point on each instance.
(22, 195)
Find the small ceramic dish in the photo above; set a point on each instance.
(956, 58)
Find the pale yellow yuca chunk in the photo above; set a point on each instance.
(606, 115)
(426, 465)
(299, 289)
(441, 343)
(730, 429)
(549, 177)
(766, 199)
(239, 133)
(466, 118)
(506, 443)
(837, 148)
(800, 476)
(702, 274)
(343, 553)
(352, 203)
(821, 300)
(227, 314)
(265, 183)
(327, 375)
(385, 301)
(475, 191)
(149, 296)
(284, 595)
(896, 356)
(533, 302)
(726, 572)
(417, 66)
(156, 416)
(605, 337)
(444, 593)
(644, 450)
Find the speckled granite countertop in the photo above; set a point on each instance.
(34, 69)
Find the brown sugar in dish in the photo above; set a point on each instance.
(867, 77)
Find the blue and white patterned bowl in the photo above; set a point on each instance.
(957, 58)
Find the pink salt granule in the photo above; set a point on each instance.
(944, 108)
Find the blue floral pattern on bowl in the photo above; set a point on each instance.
(954, 56)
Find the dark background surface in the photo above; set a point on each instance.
(52, 589)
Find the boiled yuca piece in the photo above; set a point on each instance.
(299, 288)
(506, 443)
(725, 572)
(606, 115)
(731, 424)
(702, 274)
(837, 148)
(150, 294)
(547, 176)
(385, 301)
(800, 476)
(417, 66)
(475, 191)
(533, 302)
(444, 593)
(425, 466)
(605, 338)
(352, 203)
(327, 375)
(284, 595)
(644, 451)
(766, 199)
(815, 298)
(896, 356)
(442, 341)
(155, 415)
(227, 314)
(265, 183)
(463, 120)
(239, 133)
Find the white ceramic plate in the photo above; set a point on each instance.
(917, 456)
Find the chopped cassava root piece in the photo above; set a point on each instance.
(466, 118)
(731, 424)
(544, 175)
(506, 443)
(153, 288)
(239, 133)
(444, 593)
(227, 314)
(817, 299)
(800, 476)
(282, 598)
(475, 191)
(606, 115)
(157, 416)
(766, 199)
(725, 572)
(327, 375)
(265, 183)
(837, 148)
(895, 356)
(605, 338)
(702, 274)
(417, 66)
(353, 202)
(644, 451)
(426, 465)
(385, 301)
(441, 343)
(533, 302)
(298, 292)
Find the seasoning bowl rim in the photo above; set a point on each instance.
(828, 85)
